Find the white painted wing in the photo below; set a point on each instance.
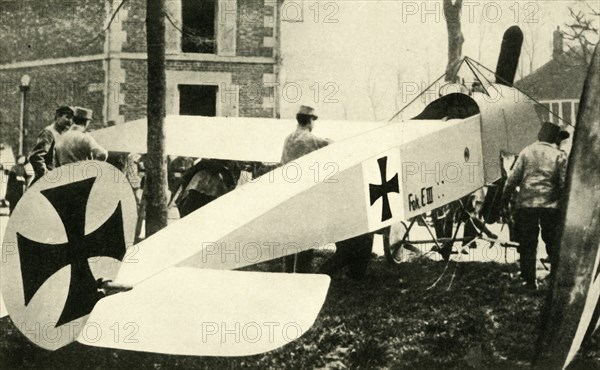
(319, 199)
(3, 311)
(236, 138)
(187, 311)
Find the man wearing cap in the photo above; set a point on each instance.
(302, 141)
(43, 157)
(297, 144)
(540, 173)
(76, 144)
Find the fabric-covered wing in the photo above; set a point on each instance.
(236, 138)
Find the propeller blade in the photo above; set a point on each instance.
(576, 289)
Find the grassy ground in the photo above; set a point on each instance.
(480, 318)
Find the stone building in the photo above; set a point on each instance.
(222, 59)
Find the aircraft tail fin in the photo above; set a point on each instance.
(508, 60)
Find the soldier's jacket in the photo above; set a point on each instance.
(300, 143)
(209, 176)
(540, 173)
(43, 155)
(77, 145)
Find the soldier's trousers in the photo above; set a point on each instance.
(528, 222)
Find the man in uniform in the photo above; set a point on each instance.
(43, 157)
(204, 182)
(540, 173)
(76, 144)
(297, 144)
(302, 141)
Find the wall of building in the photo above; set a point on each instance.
(255, 24)
(51, 86)
(44, 29)
(249, 83)
(62, 47)
(256, 28)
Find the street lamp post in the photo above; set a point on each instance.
(25, 80)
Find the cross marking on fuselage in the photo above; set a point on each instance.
(382, 191)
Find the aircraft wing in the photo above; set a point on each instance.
(3, 311)
(236, 138)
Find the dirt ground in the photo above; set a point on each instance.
(476, 316)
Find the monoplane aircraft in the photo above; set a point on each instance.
(183, 296)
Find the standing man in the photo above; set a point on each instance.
(42, 157)
(302, 141)
(297, 144)
(540, 173)
(354, 252)
(76, 144)
(204, 182)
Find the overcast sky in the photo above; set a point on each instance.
(341, 50)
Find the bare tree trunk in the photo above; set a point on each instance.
(529, 44)
(371, 90)
(452, 13)
(481, 38)
(532, 55)
(398, 94)
(156, 165)
(345, 111)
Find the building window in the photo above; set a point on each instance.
(198, 100)
(566, 111)
(198, 18)
(545, 112)
(555, 109)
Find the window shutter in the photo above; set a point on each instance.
(226, 27)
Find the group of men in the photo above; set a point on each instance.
(62, 142)
(65, 141)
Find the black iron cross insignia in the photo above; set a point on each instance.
(381, 191)
(40, 261)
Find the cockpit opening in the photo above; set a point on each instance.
(451, 106)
